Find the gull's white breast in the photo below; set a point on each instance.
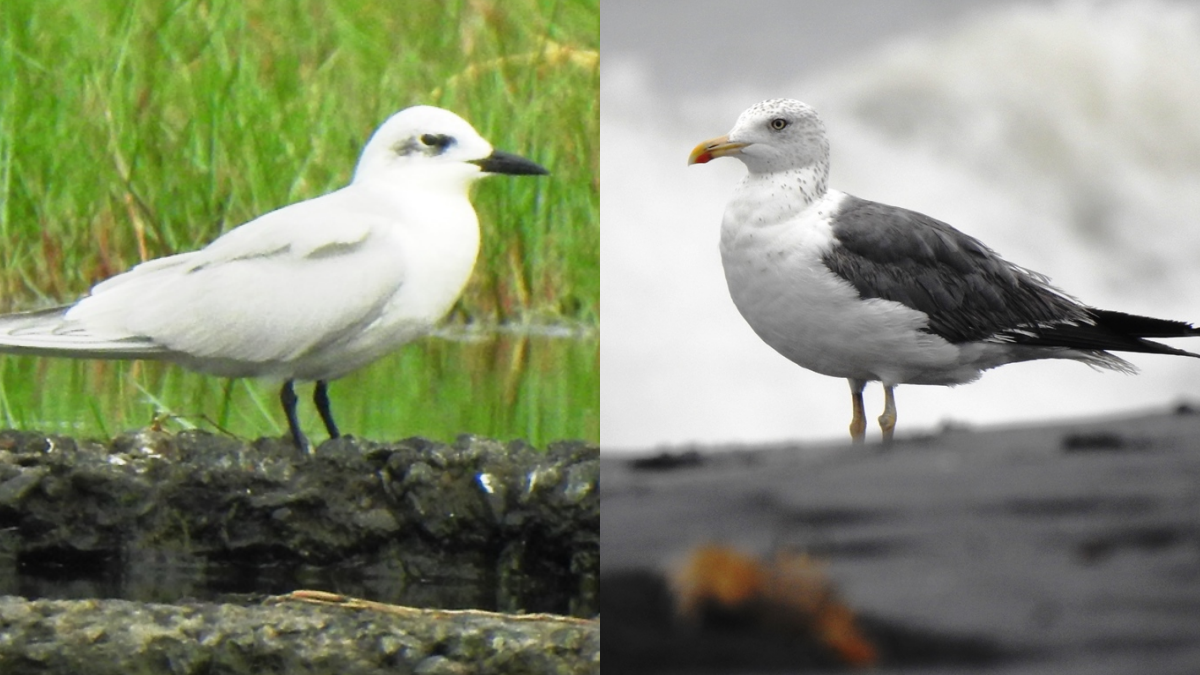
(779, 283)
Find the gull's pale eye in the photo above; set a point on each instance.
(779, 124)
(438, 141)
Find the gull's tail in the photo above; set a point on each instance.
(1105, 330)
(1092, 339)
(47, 332)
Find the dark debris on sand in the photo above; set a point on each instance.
(1069, 547)
(647, 636)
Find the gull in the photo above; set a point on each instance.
(308, 292)
(869, 292)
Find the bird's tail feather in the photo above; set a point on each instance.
(1107, 330)
(47, 332)
(1101, 360)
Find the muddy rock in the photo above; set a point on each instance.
(118, 636)
(489, 525)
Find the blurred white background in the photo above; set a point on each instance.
(1064, 134)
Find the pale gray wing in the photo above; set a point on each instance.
(47, 333)
(267, 291)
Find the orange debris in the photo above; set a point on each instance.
(789, 594)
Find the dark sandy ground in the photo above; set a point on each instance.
(1068, 548)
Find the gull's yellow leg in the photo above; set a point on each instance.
(887, 421)
(858, 423)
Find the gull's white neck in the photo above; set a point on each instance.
(765, 198)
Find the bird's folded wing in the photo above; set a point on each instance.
(268, 291)
(968, 292)
(46, 333)
(298, 229)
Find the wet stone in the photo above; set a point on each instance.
(15, 487)
(196, 514)
(100, 637)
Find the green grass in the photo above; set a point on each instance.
(132, 130)
(505, 385)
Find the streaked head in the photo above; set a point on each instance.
(432, 143)
(775, 135)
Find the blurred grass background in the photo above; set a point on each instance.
(133, 130)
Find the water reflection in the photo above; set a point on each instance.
(538, 385)
(164, 577)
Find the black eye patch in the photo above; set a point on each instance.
(425, 144)
(438, 141)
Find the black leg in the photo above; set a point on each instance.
(321, 398)
(288, 396)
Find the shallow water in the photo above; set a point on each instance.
(162, 517)
(540, 385)
(169, 578)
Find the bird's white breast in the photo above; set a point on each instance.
(772, 250)
(437, 255)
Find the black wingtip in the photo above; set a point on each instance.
(1104, 330)
(1138, 328)
(1143, 326)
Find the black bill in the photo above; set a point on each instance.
(505, 162)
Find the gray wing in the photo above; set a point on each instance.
(968, 292)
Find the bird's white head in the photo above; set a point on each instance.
(776, 135)
(432, 145)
